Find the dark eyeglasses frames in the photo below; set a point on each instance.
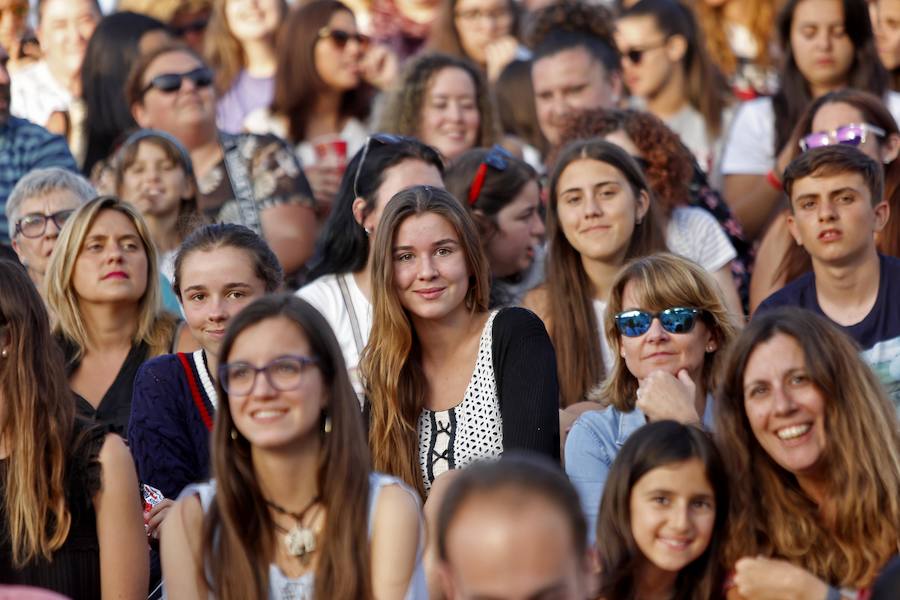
(33, 225)
(853, 134)
(341, 38)
(497, 158)
(284, 374)
(171, 82)
(635, 323)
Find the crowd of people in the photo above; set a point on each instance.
(463, 299)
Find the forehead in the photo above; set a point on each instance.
(406, 174)
(633, 29)
(817, 184)
(780, 353)
(171, 62)
(451, 81)
(565, 68)
(836, 114)
(342, 20)
(52, 201)
(224, 264)
(686, 477)
(55, 9)
(588, 172)
(424, 229)
(269, 339)
(818, 12)
(112, 222)
(467, 4)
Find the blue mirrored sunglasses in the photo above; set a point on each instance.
(634, 323)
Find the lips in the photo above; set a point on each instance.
(793, 432)
(677, 544)
(595, 229)
(431, 293)
(115, 275)
(267, 415)
(830, 235)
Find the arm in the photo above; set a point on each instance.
(124, 556)
(732, 300)
(771, 579)
(525, 369)
(182, 553)
(587, 465)
(290, 229)
(753, 201)
(396, 532)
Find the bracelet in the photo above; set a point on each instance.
(833, 593)
(775, 182)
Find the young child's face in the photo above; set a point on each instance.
(673, 512)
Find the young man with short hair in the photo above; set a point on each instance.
(837, 206)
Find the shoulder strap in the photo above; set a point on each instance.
(239, 177)
(348, 304)
(195, 391)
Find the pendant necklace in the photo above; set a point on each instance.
(300, 541)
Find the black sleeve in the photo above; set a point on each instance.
(525, 369)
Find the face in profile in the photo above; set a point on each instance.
(153, 182)
(507, 545)
(450, 120)
(520, 229)
(850, 124)
(649, 58)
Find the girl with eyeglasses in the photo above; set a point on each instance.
(254, 180)
(240, 48)
(449, 381)
(848, 117)
(503, 194)
(294, 509)
(668, 329)
(828, 46)
(669, 74)
(322, 92)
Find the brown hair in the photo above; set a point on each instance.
(444, 35)
(391, 363)
(771, 514)
(712, 21)
(834, 160)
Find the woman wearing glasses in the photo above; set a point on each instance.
(321, 95)
(248, 179)
(504, 196)
(294, 510)
(668, 327)
(848, 117)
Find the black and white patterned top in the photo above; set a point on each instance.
(471, 430)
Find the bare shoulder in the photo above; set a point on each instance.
(537, 301)
(397, 505)
(115, 458)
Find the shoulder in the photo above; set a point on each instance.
(796, 293)
(393, 499)
(892, 100)
(692, 216)
(115, 461)
(514, 323)
(262, 121)
(597, 423)
(891, 264)
(161, 367)
(323, 291)
(756, 109)
(538, 300)
(593, 435)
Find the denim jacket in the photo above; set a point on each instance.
(592, 446)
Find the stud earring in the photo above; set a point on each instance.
(368, 231)
(234, 434)
(327, 426)
(710, 348)
(4, 353)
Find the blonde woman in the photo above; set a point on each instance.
(103, 285)
(815, 442)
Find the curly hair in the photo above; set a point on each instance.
(669, 164)
(403, 112)
(571, 16)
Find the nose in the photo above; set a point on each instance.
(218, 311)
(427, 270)
(51, 229)
(537, 225)
(592, 207)
(782, 400)
(680, 518)
(656, 331)
(454, 112)
(261, 388)
(824, 39)
(827, 211)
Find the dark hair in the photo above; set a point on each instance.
(343, 244)
(499, 188)
(514, 95)
(134, 86)
(575, 24)
(239, 536)
(705, 87)
(444, 36)
(297, 83)
(793, 95)
(524, 474)
(230, 235)
(835, 159)
(111, 51)
(655, 445)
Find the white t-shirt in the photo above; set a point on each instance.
(35, 94)
(262, 121)
(325, 295)
(750, 149)
(695, 234)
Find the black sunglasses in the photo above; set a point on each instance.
(635, 323)
(634, 55)
(196, 26)
(341, 38)
(497, 158)
(171, 82)
(385, 139)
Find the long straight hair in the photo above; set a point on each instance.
(656, 445)
(771, 514)
(572, 321)
(392, 360)
(38, 415)
(238, 533)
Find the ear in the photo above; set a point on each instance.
(890, 148)
(676, 48)
(882, 214)
(359, 210)
(712, 344)
(614, 79)
(792, 227)
(643, 206)
(140, 115)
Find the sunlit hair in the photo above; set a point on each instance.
(222, 50)
(444, 35)
(391, 364)
(659, 282)
(403, 109)
(570, 311)
(155, 328)
(37, 427)
(715, 28)
(771, 514)
(658, 444)
(239, 536)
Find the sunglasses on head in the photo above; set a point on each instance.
(853, 134)
(385, 139)
(341, 38)
(171, 82)
(498, 158)
(679, 319)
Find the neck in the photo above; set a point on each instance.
(261, 57)
(37, 278)
(671, 98)
(289, 477)
(109, 326)
(163, 230)
(821, 90)
(325, 117)
(70, 81)
(205, 152)
(440, 338)
(849, 286)
(655, 583)
(601, 274)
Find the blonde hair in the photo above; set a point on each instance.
(662, 281)
(849, 542)
(391, 362)
(155, 328)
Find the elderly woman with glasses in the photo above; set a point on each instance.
(248, 179)
(667, 325)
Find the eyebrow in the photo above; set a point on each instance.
(443, 242)
(843, 190)
(239, 284)
(596, 185)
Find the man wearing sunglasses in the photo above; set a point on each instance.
(837, 206)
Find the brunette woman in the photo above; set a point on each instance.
(294, 510)
(70, 513)
(448, 381)
(799, 416)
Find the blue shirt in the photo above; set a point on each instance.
(25, 146)
(593, 444)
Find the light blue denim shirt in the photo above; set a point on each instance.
(592, 446)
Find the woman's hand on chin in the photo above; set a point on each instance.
(662, 396)
(763, 578)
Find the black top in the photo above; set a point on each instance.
(75, 568)
(114, 409)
